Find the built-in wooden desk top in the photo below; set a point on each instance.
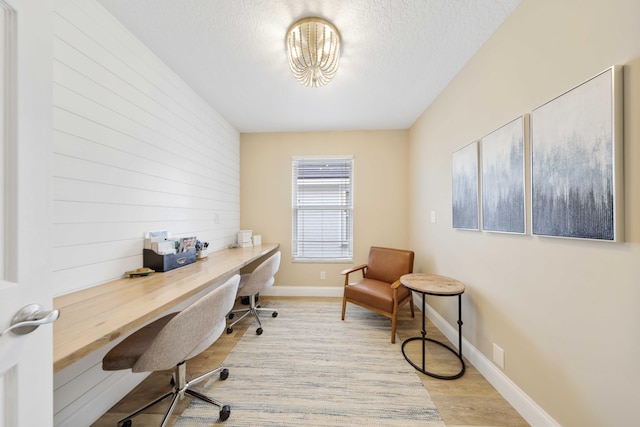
(93, 317)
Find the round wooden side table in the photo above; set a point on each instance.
(431, 284)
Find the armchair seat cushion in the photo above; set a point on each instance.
(374, 293)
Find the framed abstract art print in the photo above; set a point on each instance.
(464, 171)
(576, 161)
(503, 188)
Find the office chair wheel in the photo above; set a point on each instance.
(259, 331)
(224, 374)
(231, 316)
(274, 314)
(225, 412)
(229, 330)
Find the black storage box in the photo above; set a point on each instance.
(168, 262)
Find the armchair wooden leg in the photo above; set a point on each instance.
(344, 306)
(413, 313)
(394, 321)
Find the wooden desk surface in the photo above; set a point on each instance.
(93, 317)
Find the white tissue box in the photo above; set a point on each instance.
(244, 238)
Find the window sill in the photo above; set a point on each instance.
(322, 260)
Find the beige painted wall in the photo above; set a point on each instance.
(380, 193)
(565, 311)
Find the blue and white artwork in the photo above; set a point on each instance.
(465, 187)
(572, 163)
(503, 192)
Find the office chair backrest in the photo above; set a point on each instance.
(191, 331)
(387, 265)
(262, 277)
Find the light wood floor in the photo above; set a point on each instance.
(464, 402)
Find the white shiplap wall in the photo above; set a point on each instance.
(135, 149)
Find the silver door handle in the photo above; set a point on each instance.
(29, 318)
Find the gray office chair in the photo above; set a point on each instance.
(251, 285)
(168, 342)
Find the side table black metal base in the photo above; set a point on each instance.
(424, 340)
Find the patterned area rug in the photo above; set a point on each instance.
(309, 368)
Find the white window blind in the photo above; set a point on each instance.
(322, 208)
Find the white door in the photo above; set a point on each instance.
(26, 364)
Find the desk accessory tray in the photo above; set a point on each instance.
(168, 262)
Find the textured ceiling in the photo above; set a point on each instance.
(397, 56)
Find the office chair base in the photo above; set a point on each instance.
(252, 309)
(181, 388)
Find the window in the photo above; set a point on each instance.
(322, 209)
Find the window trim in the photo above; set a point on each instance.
(295, 258)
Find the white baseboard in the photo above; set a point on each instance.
(530, 410)
(304, 291)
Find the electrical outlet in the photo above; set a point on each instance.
(322, 275)
(498, 356)
(433, 217)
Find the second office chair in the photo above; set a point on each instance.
(251, 285)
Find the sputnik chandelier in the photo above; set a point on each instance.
(313, 48)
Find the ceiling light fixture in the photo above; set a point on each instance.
(313, 48)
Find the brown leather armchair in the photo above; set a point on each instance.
(379, 289)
